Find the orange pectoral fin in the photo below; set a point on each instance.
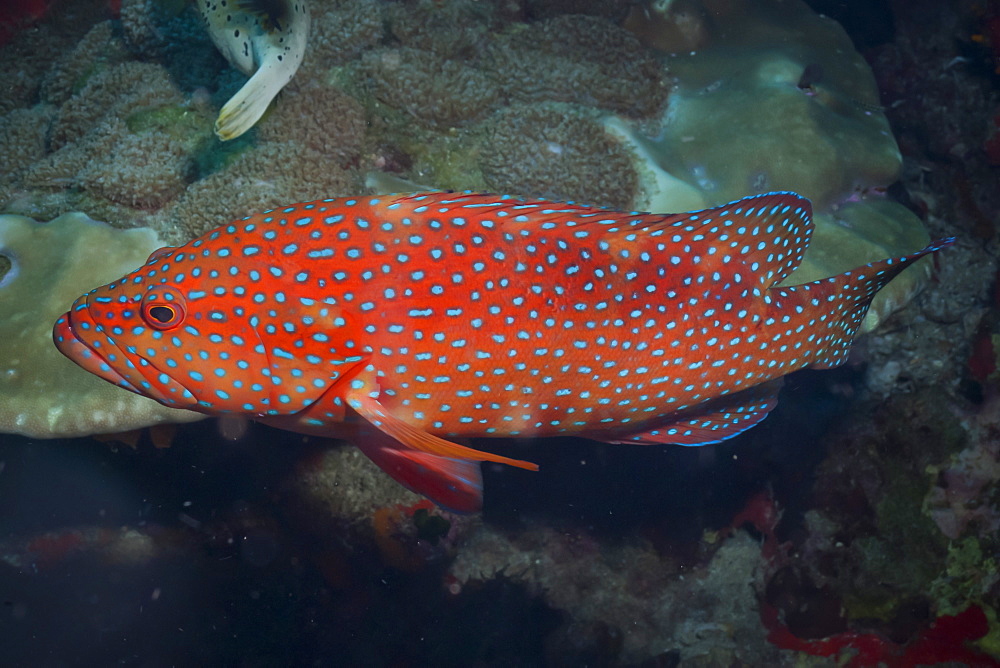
(417, 439)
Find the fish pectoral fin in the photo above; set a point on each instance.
(453, 484)
(413, 437)
(726, 418)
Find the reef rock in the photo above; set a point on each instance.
(44, 394)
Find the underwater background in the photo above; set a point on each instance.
(856, 525)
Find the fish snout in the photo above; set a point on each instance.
(68, 336)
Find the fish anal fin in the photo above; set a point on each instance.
(724, 419)
(453, 484)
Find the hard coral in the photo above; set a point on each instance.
(454, 30)
(22, 138)
(276, 173)
(580, 59)
(612, 10)
(146, 170)
(340, 34)
(44, 394)
(113, 93)
(320, 118)
(557, 153)
(98, 50)
(436, 91)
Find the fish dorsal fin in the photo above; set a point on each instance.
(722, 419)
(481, 206)
(767, 234)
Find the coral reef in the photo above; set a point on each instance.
(439, 92)
(751, 113)
(554, 152)
(886, 550)
(46, 395)
(579, 59)
(633, 591)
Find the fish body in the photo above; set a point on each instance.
(406, 321)
(264, 39)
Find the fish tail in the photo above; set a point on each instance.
(843, 301)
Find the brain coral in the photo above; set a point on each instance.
(339, 34)
(114, 92)
(553, 152)
(581, 59)
(437, 91)
(99, 49)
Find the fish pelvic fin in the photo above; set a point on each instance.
(837, 306)
(453, 484)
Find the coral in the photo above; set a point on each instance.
(318, 118)
(613, 11)
(22, 138)
(272, 174)
(98, 50)
(969, 574)
(579, 59)
(344, 485)
(965, 495)
(709, 614)
(436, 91)
(456, 30)
(26, 58)
(550, 151)
(146, 171)
(777, 99)
(340, 34)
(113, 93)
(46, 395)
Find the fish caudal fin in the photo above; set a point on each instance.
(838, 305)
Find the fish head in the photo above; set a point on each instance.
(209, 336)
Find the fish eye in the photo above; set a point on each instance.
(163, 308)
(162, 314)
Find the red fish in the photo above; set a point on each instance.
(439, 316)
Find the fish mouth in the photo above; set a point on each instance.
(85, 342)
